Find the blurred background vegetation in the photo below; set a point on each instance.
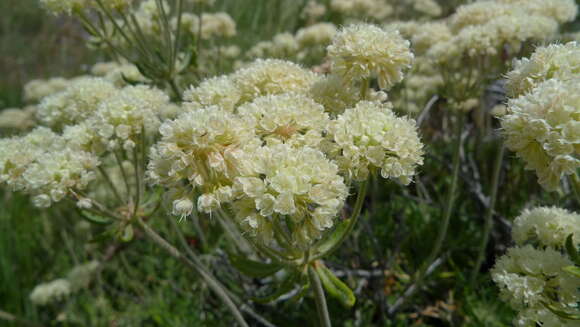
(146, 288)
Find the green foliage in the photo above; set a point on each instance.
(254, 268)
(335, 287)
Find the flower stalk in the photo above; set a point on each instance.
(360, 199)
(196, 265)
(448, 210)
(319, 297)
(488, 222)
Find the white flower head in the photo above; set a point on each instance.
(333, 94)
(220, 91)
(40, 164)
(542, 127)
(133, 110)
(272, 76)
(77, 102)
(37, 89)
(47, 293)
(375, 9)
(200, 150)
(316, 35)
(282, 184)
(549, 226)
(561, 61)
(529, 277)
(182, 207)
(84, 203)
(371, 137)
(560, 10)
(289, 118)
(215, 25)
(363, 51)
(313, 10)
(19, 119)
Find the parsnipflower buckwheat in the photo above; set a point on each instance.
(198, 153)
(282, 185)
(371, 137)
(363, 51)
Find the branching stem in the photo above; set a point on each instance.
(110, 184)
(319, 297)
(197, 266)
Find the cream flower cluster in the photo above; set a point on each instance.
(262, 77)
(560, 61)
(282, 181)
(363, 51)
(530, 276)
(424, 79)
(283, 45)
(371, 137)
(375, 9)
(272, 76)
(89, 117)
(428, 34)
(288, 118)
(549, 226)
(78, 101)
(219, 90)
(482, 12)
(122, 119)
(333, 94)
(199, 152)
(59, 289)
(562, 11)
(54, 291)
(542, 126)
(336, 96)
(98, 112)
(80, 276)
(213, 25)
(485, 28)
(313, 10)
(307, 40)
(263, 142)
(148, 17)
(37, 89)
(20, 119)
(427, 7)
(19, 152)
(40, 164)
(315, 35)
(119, 74)
(420, 85)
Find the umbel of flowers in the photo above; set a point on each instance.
(542, 123)
(257, 148)
(256, 143)
(264, 147)
(534, 277)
